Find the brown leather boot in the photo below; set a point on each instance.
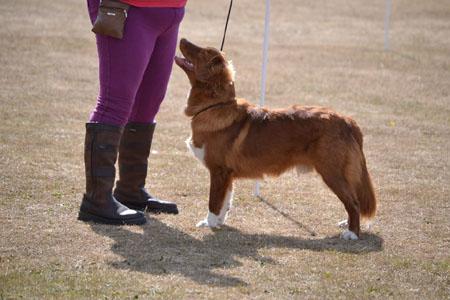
(133, 158)
(100, 155)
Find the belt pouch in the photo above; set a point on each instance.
(111, 18)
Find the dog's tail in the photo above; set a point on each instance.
(356, 133)
(364, 188)
(365, 193)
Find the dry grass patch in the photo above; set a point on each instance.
(322, 53)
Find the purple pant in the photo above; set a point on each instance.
(134, 71)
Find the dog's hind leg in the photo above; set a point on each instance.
(344, 191)
(220, 198)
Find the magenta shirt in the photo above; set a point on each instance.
(156, 3)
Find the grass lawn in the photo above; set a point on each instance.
(327, 53)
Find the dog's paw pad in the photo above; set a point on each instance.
(349, 236)
(343, 224)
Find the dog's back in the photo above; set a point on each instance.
(235, 139)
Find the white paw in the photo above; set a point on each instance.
(368, 226)
(203, 223)
(211, 221)
(349, 235)
(343, 224)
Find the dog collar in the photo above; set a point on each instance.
(213, 106)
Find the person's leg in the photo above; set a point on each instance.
(154, 83)
(122, 65)
(100, 154)
(137, 139)
(133, 163)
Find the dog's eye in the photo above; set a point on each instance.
(216, 60)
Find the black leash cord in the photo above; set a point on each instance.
(226, 25)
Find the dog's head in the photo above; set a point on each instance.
(206, 65)
(210, 74)
(212, 80)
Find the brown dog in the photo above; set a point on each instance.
(235, 139)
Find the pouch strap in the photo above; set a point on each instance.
(114, 4)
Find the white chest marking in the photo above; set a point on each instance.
(199, 153)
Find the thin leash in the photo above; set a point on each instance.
(308, 229)
(226, 25)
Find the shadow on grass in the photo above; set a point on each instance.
(161, 249)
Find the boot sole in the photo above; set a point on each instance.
(162, 211)
(153, 210)
(87, 217)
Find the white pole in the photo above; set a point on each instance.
(264, 70)
(387, 21)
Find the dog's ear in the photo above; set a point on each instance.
(213, 68)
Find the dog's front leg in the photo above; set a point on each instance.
(220, 198)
